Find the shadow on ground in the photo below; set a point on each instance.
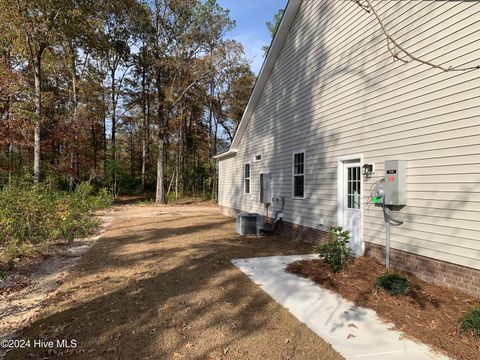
(163, 287)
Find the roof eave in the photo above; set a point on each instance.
(225, 155)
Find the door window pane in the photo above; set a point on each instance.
(354, 183)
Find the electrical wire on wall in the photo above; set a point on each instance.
(278, 219)
(373, 190)
(388, 218)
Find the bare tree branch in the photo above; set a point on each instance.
(185, 91)
(362, 5)
(398, 49)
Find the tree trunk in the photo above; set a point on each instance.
(104, 130)
(160, 191)
(176, 184)
(71, 185)
(160, 196)
(181, 153)
(132, 157)
(145, 133)
(210, 119)
(7, 119)
(214, 165)
(9, 144)
(10, 162)
(74, 152)
(114, 132)
(94, 145)
(37, 71)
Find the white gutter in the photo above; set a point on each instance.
(225, 155)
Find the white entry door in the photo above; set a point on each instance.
(352, 207)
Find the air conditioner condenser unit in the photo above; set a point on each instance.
(249, 224)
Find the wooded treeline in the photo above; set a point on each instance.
(133, 95)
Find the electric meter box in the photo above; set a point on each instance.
(266, 188)
(396, 182)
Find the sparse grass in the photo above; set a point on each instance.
(149, 201)
(471, 322)
(393, 283)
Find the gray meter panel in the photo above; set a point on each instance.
(396, 182)
(265, 188)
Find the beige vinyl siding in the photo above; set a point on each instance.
(335, 91)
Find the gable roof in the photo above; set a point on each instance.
(267, 67)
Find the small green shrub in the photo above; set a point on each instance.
(336, 252)
(471, 322)
(393, 283)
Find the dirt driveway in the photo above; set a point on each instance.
(160, 285)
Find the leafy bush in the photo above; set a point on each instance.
(393, 283)
(471, 322)
(336, 252)
(31, 216)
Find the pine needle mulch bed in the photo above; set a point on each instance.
(429, 313)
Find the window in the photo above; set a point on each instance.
(354, 184)
(299, 175)
(247, 178)
(258, 157)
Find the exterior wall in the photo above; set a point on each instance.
(427, 269)
(335, 91)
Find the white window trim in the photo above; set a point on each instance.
(249, 179)
(293, 174)
(340, 191)
(255, 158)
(340, 185)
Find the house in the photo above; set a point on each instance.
(330, 99)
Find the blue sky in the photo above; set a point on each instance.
(251, 16)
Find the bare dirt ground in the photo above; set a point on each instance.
(35, 279)
(159, 284)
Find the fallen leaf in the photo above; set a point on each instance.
(352, 325)
(350, 336)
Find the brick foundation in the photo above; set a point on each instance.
(299, 232)
(427, 269)
(430, 270)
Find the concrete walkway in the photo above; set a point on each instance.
(353, 331)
